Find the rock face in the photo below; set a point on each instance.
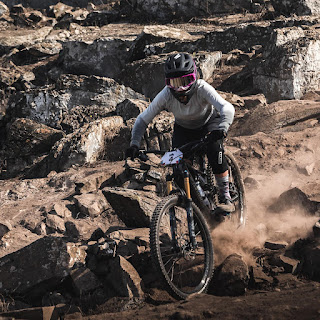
(290, 69)
(42, 261)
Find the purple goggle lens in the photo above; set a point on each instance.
(181, 83)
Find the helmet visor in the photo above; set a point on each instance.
(181, 83)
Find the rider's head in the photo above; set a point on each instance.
(181, 76)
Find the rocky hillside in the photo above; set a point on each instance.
(74, 237)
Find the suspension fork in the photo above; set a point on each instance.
(190, 219)
(173, 222)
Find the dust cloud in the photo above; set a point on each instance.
(262, 224)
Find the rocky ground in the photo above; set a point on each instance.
(74, 221)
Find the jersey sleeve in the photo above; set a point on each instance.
(225, 108)
(155, 107)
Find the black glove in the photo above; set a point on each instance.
(217, 135)
(132, 152)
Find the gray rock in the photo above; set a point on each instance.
(289, 67)
(47, 260)
(3, 9)
(306, 196)
(91, 204)
(86, 145)
(275, 245)
(133, 207)
(84, 281)
(279, 115)
(231, 277)
(124, 278)
(55, 223)
(103, 57)
(131, 108)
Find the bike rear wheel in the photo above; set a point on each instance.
(185, 270)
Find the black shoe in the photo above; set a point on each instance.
(225, 206)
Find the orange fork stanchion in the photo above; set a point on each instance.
(189, 209)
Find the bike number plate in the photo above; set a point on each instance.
(171, 157)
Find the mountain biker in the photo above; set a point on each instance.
(198, 110)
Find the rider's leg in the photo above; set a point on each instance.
(219, 167)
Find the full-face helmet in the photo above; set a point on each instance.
(181, 76)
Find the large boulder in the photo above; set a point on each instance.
(102, 57)
(166, 11)
(278, 115)
(306, 197)
(75, 100)
(231, 277)
(85, 145)
(290, 66)
(300, 7)
(43, 263)
(133, 207)
(143, 45)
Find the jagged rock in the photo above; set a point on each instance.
(316, 229)
(92, 182)
(307, 169)
(275, 245)
(183, 9)
(103, 57)
(142, 46)
(278, 115)
(58, 10)
(86, 145)
(130, 108)
(308, 251)
(307, 197)
(27, 137)
(5, 227)
(289, 68)
(3, 9)
(84, 281)
(130, 242)
(46, 260)
(39, 4)
(91, 204)
(133, 207)
(251, 102)
(53, 106)
(16, 38)
(26, 141)
(124, 278)
(63, 209)
(231, 277)
(55, 223)
(300, 7)
(259, 278)
(242, 37)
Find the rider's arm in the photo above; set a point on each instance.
(225, 108)
(156, 106)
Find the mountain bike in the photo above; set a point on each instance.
(180, 240)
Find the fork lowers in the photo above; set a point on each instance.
(189, 209)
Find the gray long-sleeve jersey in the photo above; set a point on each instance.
(193, 115)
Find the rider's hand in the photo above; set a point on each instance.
(217, 135)
(132, 152)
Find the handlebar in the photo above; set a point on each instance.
(187, 148)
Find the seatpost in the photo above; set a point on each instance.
(189, 208)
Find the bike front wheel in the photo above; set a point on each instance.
(237, 191)
(185, 269)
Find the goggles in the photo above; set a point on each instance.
(181, 83)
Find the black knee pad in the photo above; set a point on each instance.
(217, 160)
